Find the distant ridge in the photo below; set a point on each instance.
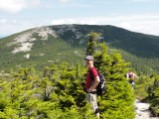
(52, 44)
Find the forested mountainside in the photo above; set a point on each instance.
(32, 89)
(52, 44)
(58, 93)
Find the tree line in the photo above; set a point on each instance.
(55, 92)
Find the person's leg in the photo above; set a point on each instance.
(88, 97)
(133, 84)
(97, 113)
(93, 101)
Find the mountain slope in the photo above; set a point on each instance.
(52, 44)
(36, 47)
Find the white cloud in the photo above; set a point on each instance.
(147, 24)
(75, 21)
(14, 6)
(139, 23)
(64, 1)
(144, 23)
(9, 26)
(3, 21)
(144, 0)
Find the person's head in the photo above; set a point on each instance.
(89, 60)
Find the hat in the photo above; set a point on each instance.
(89, 57)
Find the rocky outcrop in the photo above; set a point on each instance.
(142, 110)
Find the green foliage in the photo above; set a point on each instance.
(118, 102)
(142, 84)
(55, 95)
(139, 49)
(153, 95)
(55, 91)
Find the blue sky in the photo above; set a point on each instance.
(135, 15)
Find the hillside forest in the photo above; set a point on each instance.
(55, 92)
(43, 46)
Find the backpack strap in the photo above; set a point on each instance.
(91, 75)
(92, 81)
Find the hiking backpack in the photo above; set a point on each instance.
(101, 88)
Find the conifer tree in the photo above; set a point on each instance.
(153, 94)
(119, 99)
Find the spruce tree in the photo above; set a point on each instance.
(118, 102)
(153, 94)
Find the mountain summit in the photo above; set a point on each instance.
(52, 44)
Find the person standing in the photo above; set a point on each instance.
(131, 76)
(91, 83)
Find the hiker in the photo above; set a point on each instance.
(131, 76)
(91, 85)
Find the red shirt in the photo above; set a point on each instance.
(91, 71)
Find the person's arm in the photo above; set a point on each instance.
(127, 75)
(135, 76)
(95, 84)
